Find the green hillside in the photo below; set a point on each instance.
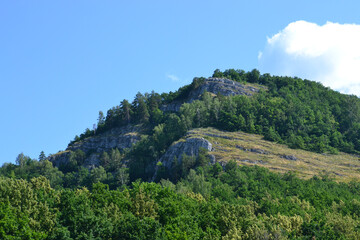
(239, 155)
(251, 149)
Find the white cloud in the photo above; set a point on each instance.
(173, 77)
(329, 54)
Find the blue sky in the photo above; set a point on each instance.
(63, 61)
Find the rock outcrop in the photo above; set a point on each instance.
(224, 87)
(60, 158)
(221, 86)
(120, 138)
(189, 147)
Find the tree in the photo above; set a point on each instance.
(253, 76)
(98, 174)
(122, 176)
(22, 160)
(154, 100)
(217, 74)
(101, 119)
(125, 108)
(202, 159)
(141, 108)
(105, 160)
(116, 158)
(42, 156)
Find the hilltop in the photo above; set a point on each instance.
(238, 155)
(298, 113)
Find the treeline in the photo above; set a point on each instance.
(72, 174)
(211, 202)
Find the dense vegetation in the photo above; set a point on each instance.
(194, 200)
(209, 203)
(301, 113)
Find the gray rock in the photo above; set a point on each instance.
(221, 86)
(339, 174)
(290, 157)
(93, 160)
(59, 158)
(254, 150)
(259, 151)
(189, 147)
(242, 148)
(212, 159)
(253, 162)
(121, 138)
(172, 107)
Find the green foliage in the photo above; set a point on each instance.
(200, 201)
(238, 203)
(300, 113)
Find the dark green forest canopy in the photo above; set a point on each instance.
(209, 203)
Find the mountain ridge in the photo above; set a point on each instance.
(124, 137)
(140, 138)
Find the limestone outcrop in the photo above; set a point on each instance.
(120, 138)
(221, 86)
(189, 147)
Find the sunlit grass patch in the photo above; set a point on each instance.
(252, 149)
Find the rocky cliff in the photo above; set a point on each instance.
(190, 147)
(216, 86)
(120, 138)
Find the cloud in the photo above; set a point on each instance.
(173, 77)
(329, 54)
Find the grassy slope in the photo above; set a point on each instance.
(233, 145)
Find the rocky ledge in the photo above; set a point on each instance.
(120, 138)
(189, 147)
(224, 87)
(221, 86)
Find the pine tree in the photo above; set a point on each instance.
(42, 156)
(125, 108)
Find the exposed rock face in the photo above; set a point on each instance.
(121, 138)
(172, 107)
(60, 158)
(224, 87)
(254, 150)
(189, 147)
(290, 157)
(221, 86)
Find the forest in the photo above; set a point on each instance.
(194, 199)
(208, 203)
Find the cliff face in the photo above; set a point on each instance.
(224, 87)
(189, 147)
(121, 138)
(221, 86)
